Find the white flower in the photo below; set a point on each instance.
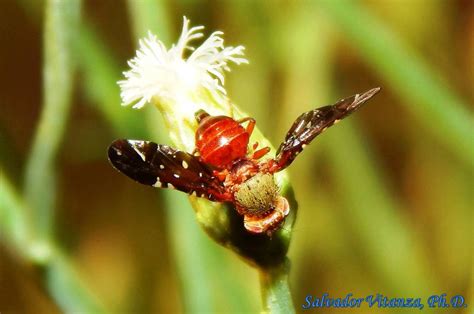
(166, 78)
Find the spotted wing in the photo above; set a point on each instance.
(312, 123)
(162, 166)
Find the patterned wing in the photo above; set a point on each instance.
(162, 166)
(314, 122)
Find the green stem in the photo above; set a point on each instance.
(62, 19)
(62, 281)
(14, 228)
(427, 97)
(276, 294)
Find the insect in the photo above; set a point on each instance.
(223, 168)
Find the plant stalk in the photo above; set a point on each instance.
(276, 296)
(61, 23)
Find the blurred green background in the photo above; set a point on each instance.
(385, 198)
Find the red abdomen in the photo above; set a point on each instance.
(220, 140)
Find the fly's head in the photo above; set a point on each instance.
(259, 201)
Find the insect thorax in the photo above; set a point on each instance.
(257, 194)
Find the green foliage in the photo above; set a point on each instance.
(424, 94)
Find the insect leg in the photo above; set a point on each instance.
(250, 126)
(220, 175)
(260, 153)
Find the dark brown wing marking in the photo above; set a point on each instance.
(314, 122)
(162, 166)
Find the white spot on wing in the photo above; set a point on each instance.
(171, 186)
(157, 183)
(299, 126)
(184, 164)
(176, 175)
(162, 167)
(142, 156)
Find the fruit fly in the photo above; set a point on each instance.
(222, 168)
